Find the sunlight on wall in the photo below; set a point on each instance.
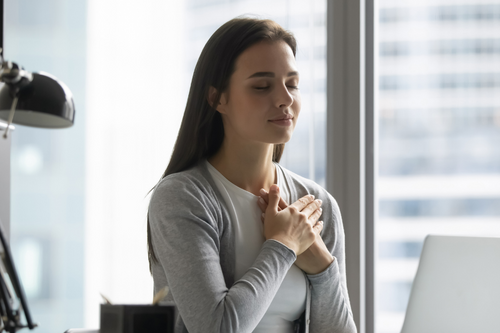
(135, 103)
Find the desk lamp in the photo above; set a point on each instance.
(31, 99)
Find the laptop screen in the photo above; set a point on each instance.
(457, 287)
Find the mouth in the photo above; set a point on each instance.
(287, 116)
(285, 120)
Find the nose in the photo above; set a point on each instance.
(283, 97)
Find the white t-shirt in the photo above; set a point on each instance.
(290, 300)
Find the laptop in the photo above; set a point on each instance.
(457, 287)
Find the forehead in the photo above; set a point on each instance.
(274, 57)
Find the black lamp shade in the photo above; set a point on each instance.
(45, 102)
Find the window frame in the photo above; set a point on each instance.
(351, 147)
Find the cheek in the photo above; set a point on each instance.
(255, 100)
(297, 104)
(249, 107)
(244, 111)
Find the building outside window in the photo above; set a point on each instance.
(439, 124)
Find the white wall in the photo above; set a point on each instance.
(135, 101)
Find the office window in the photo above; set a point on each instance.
(47, 166)
(439, 124)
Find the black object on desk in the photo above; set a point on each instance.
(138, 318)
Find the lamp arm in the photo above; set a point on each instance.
(14, 75)
(11, 115)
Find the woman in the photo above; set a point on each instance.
(227, 271)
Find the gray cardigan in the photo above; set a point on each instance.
(193, 239)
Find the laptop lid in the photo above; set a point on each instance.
(457, 287)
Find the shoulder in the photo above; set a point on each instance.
(303, 186)
(189, 189)
(331, 216)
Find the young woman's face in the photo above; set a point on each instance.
(262, 103)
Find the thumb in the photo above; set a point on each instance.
(274, 199)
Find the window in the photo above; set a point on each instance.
(47, 166)
(439, 167)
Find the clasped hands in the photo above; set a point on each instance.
(317, 257)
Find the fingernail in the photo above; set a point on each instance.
(262, 201)
(320, 201)
(263, 192)
(312, 196)
(274, 188)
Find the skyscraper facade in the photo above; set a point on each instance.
(439, 128)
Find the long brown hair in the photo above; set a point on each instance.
(202, 132)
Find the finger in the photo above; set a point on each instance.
(282, 204)
(314, 217)
(303, 202)
(262, 204)
(274, 198)
(318, 227)
(264, 195)
(312, 207)
(267, 199)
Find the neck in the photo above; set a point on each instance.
(248, 165)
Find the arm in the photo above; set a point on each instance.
(186, 240)
(330, 306)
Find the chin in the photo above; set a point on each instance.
(276, 138)
(282, 140)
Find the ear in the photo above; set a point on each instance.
(212, 92)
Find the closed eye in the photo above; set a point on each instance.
(262, 88)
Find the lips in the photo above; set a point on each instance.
(283, 117)
(284, 120)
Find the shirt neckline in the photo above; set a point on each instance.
(238, 189)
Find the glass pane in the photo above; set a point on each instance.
(47, 173)
(439, 128)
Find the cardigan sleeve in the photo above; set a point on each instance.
(185, 238)
(330, 306)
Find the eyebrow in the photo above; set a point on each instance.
(270, 74)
